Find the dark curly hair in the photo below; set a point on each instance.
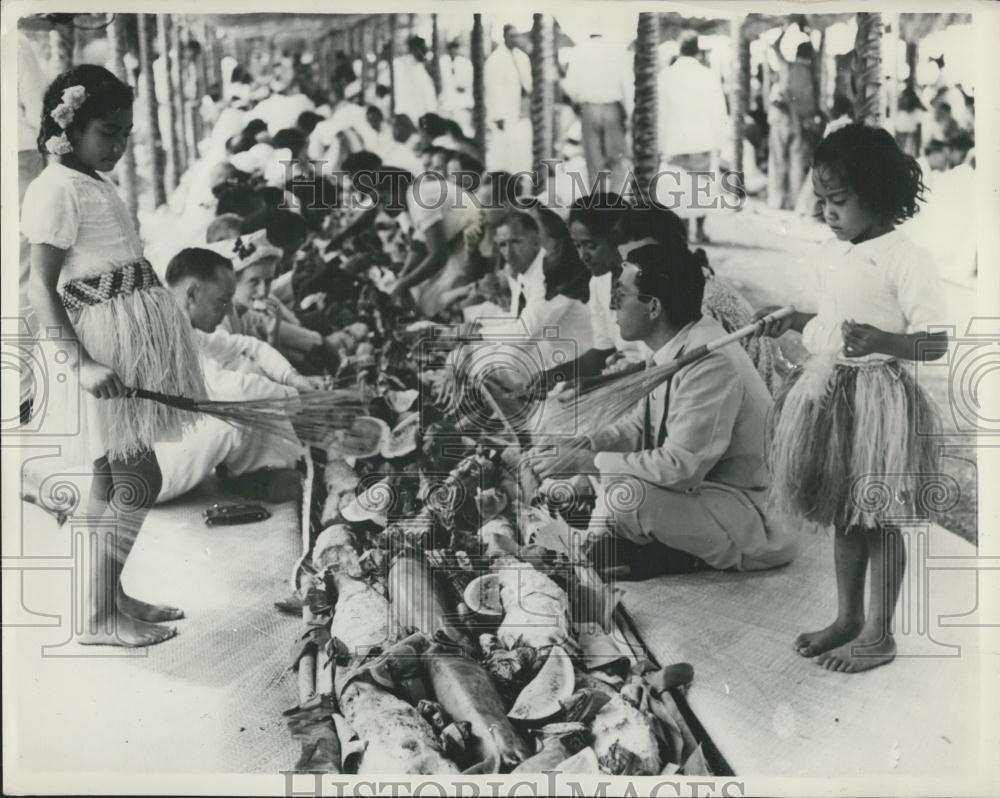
(105, 95)
(868, 160)
(675, 277)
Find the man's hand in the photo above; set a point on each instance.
(573, 457)
(300, 382)
(862, 339)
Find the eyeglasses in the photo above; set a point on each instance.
(618, 294)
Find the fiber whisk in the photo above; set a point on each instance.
(311, 417)
(585, 413)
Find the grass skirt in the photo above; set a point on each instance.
(143, 336)
(852, 444)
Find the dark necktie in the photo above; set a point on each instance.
(522, 301)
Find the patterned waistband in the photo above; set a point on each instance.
(135, 276)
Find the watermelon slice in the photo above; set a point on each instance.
(539, 700)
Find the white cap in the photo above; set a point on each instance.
(247, 250)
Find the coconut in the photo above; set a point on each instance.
(402, 440)
(364, 438)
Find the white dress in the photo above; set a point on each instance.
(143, 335)
(430, 200)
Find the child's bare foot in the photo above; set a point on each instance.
(860, 654)
(125, 631)
(144, 611)
(809, 644)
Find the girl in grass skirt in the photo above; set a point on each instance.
(117, 326)
(852, 422)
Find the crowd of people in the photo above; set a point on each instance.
(247, 284)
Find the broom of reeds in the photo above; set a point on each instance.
(585, 412)
(310, 417)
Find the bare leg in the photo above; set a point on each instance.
(875, 645)
(700, 236)
(850, 557)
(121, 496)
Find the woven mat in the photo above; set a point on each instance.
(210, 699)
(773, 712)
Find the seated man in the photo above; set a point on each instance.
(547, 323)
(692, 453)
(237, 367)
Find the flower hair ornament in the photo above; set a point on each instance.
(72, 99)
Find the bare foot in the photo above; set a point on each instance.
(144, 611)
(860, 654)
(125, 631)
(809, 644)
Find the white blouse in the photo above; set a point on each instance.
(430, 199)
(888, 282)
(83, 215)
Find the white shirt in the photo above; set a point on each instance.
(456, 84)
(414, 89)
(506, 74)
(281, 111)
(692, 108)
(888, 282)
(346, 115)
(400, 155)
(31, 85)
(244, 354)
(550, 331)
(600, 72)
(531, 282)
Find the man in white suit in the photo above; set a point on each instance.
(507, 80)
(455, 101)
(690, 456)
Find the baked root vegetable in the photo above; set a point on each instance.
(341, 481)
(396, 738)
(536, 609)
(466, 692)
(417, 598)
(624, 740)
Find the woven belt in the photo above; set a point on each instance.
(135, 276)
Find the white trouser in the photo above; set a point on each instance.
(211, 442)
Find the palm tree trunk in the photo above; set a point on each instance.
(645, 132)
(170, 144)
(741, 89)
(477, 51)
(541, 96)
(147, 29)
(868, 69)
(126, 167)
